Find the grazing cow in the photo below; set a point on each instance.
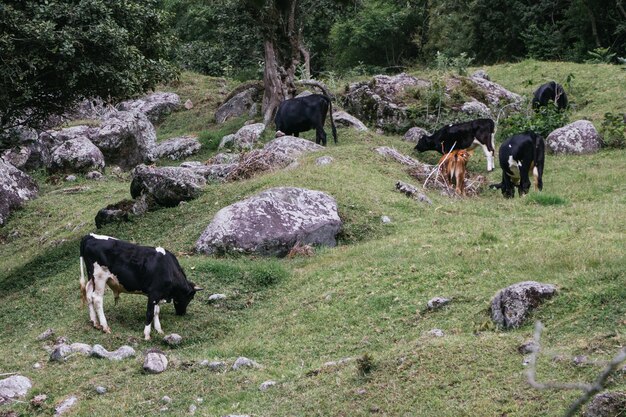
(130, 268)
(465, 135)
(453, 168)
(300, 114)
(519, 155)
(550, 92)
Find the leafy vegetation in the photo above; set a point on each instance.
(614, 130)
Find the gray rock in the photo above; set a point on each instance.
(346, 119)
(481, 74)
(155, 106)
(436, 333)
(124, 211)
(166, 400)
(121, 353)
(273, 222)
(71, 178)
(267, 385)
(83, 348)
(37, 365)
(47, 334)
(76, 155)
(437, 302)
(496, 94)
(216, 297)
(60, 353)
(324, 160)
(607, 404)
(38, 400)
(385, 219)
(65, 405)
(215, 366)
(227, 141)
(100, 390)
(94, 175)
(476, 108)
(284, 150)
(167, 185)
(188, 104)
(14, 386)
(414, 134)
(126, 139)
(245, 138)
(16, 188)
(214, 172)
(225, 158)
(17, 156)
(155, 362)
(243, 362)
(511, 305)
(173, 339)
(242, 104)
(192, 409)
(177, 148)
(527, 347)
(577, 138)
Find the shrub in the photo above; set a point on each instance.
(543, 121)
(614, 130)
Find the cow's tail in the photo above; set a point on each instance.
(83, 286)
(332, 122)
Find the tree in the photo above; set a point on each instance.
(57, 52)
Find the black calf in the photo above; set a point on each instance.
(300, 114)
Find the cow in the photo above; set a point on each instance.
(129, 268)
(519, 155)
(300, 114)
(551, 92)
(466, 135)
(452, 166)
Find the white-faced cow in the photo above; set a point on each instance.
(300, 114)
(519, 155)
(551, 92)
(130, 268)
(464, 135)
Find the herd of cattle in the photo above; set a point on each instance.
(155, 272)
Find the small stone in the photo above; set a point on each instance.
(62, 340)
(188, 104)
(199, 400)
(192, 409)
(324, 160)
(173, 339)
(245, 362)
(83, 348)
(385, 219)
(60, 353)
(37, 365)
(166, 400)
(216, 297)
(423, 198)
(437, 302)
(163, 409)
(38, 400)
(216, 366)
(580, 360)
(436, 333)
(65, 405)
(527, 347)
(361, 391)
(101, 390)
(70, 178)
(94, 175)
(155, 362)
(46, 335)
(266, 385)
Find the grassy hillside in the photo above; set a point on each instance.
(366, 296)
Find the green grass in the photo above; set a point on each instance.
(366, 296)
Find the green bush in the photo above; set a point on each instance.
(543, 121)
(614, 130)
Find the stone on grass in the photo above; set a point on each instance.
(188, 104)
(60, 353)
(177, 148)
(155, 106)
(101, 390)
(243, 362)
(436, 332)
(71, 178)
(245, 138)
(437, 302)
(324, 160)
(65, 405)
(476, 108)
(414, 134)
(346, 119)
(47, 334)
(527, 347)
(16, 188)
(76, 155)
(496, 95)
(577, 138)
(94, 175)
(155, 362)
(173, 339)
(121, 353)
(217, 297)
(266, 385)
(272, 223)
(241, 104)
(607, 404)
(83, 348)
(38, 400)
(14, 386)
(511, 305)
(385, 219)
(167, 185)
(166, 400)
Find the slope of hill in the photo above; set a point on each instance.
(366, 296)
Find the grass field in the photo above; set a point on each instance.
(366, 296)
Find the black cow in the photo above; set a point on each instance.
(465, 135)
(130, 268)
(519, 155)
(300, 114)
(550, 92)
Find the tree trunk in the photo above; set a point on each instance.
(594, 26)
(307, 61)
(621, 8)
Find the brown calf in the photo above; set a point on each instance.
(453, 168)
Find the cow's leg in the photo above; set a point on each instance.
(157, 323)
(151, 311)
(488, 153)
(508, 188)
(524, 182)
(320, 135)
(100, 277)
(90, 300)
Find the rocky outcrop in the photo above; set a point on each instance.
(168, 186)
(287, 149)
(242, 104)
(16, 187)
(577, 138)
(177, 148)
(273, 222)
(496, 94)
(76, 155)
(607, 404)
(346, 119)
(126, 139)
(511, 305)
(414, 134)
(124, 211)
(476, 108)
(155, 106)
(214, 172)
(245, 138)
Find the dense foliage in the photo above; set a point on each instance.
(55, 52)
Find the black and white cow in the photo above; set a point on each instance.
(300, 114)
(464, 135)
(129, 268)
(550, 92)
(519, 155)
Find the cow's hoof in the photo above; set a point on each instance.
(147, 338)
(107, 330)
(97, 326)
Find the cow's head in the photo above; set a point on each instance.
(184, 298)
(427, 143)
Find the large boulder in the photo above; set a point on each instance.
(607, 404)
(273, 222)
(511, 305)
(214, 172)
(476, 108)
(414, 134)
(126, 139)
(245, 138)
(155, 106)
(285, 150)
(13, 387)
(76, 155)
(580, 137)
(346, 119)
(496, 94)
(244, 103)
(16, 187)
(177, 148)
(25, 151)
(124, 211)
(379, 102)
(167, 185)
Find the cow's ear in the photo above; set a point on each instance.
(196, 288)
